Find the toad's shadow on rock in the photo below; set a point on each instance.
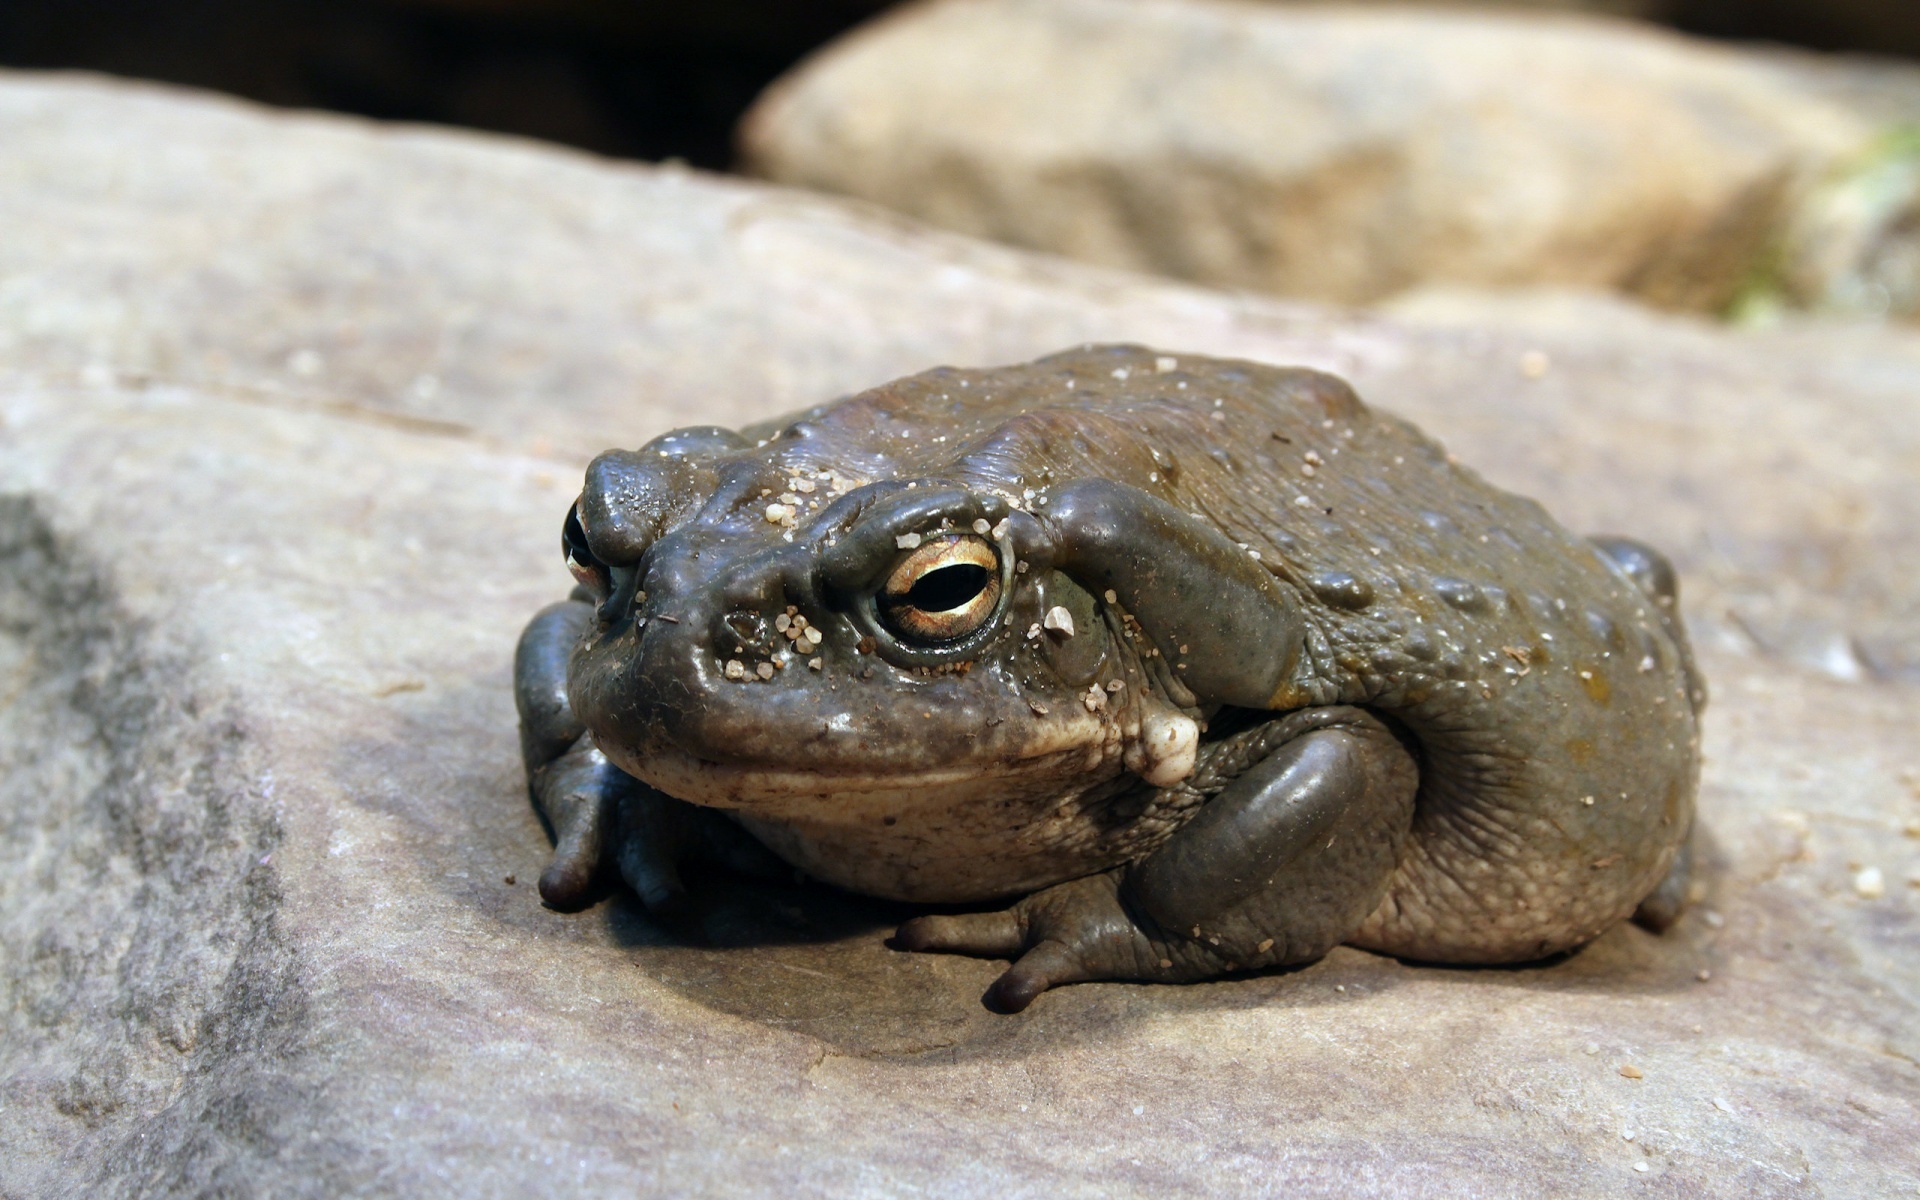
(812, 959)
(809, 958)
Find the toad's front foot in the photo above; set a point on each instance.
(605, 820)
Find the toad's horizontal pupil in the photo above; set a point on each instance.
(947, 588)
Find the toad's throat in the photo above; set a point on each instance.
(950, 836)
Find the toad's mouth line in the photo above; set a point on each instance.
(735, 785)
(1062, 749)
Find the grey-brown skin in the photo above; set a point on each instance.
(1244, 670)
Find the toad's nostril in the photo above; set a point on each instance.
(742, 629)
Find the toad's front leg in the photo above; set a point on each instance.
(1280, 866)
(601, 816)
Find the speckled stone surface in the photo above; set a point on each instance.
(289, 411)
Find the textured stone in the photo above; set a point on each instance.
(289, 410)
(1348, 153)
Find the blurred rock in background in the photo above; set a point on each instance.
(637, 78)
(1651, 10)
(1341, 153)
(1347, 153)
(1879, 26)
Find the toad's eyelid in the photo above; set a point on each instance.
(850, 514)
(878, 522)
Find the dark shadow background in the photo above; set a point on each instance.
(634, 78)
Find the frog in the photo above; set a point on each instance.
(1126, 664)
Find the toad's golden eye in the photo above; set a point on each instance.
(943, 591)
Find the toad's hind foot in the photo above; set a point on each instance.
(1069, 933)
(1665, 904)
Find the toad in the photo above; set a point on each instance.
(1170, 666)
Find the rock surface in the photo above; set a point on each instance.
(289, 411)
(1351, 152)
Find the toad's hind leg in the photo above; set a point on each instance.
(1647, 567)
(1282, 864)
(1655, 576)
(1287, 861)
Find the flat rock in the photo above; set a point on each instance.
(290, 408)
(1349, 152)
